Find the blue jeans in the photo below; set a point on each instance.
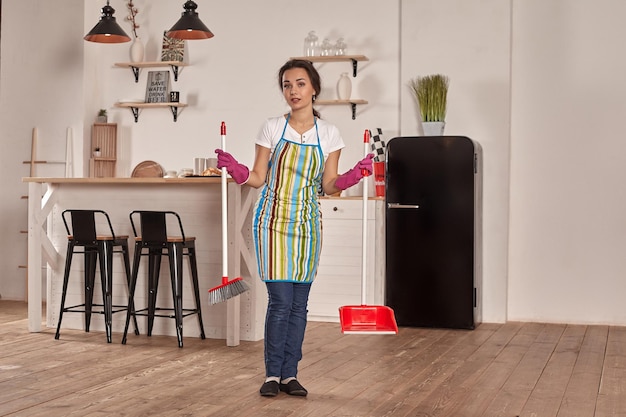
(285, 323)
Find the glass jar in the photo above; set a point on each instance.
(340, 47)
(310, 44)
(327, 48)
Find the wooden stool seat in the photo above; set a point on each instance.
(172, 239)
(105, 237)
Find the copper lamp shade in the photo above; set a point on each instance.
(107, 30)
(189, 26)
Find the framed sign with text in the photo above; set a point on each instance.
(158, 87)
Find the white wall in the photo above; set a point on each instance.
(40, 86)
(568, 162)
(536, 82)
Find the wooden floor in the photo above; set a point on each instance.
(513, 369)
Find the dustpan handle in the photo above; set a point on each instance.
(366, 140)
(224, 210)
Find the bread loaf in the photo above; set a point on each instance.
(211, 171)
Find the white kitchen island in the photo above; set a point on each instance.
(196, 199)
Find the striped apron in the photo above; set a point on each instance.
(287, 225)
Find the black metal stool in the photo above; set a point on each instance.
(154, 238)
(94, 246)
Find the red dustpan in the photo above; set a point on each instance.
(366, 319)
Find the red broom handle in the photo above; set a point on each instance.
(366, 142)
(224, 213)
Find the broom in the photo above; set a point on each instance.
(228, 289)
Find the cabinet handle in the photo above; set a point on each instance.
(335, 208)
(398, 205)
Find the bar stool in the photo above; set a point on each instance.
(154, 239)
(94, 246)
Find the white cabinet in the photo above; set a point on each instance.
(338, 281)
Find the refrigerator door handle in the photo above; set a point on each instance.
(402, 206)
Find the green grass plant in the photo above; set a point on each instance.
(431, 92)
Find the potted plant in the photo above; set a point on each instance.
(96, 152)
(431, 93)
(102, 116)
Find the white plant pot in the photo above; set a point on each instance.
(433, 128)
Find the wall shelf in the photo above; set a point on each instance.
(136, 66)
(134, 107)
(336, 58)
(353, 103)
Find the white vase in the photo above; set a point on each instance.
(136, 50)
(344, 87)
(433, 128)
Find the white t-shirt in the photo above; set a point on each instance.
(272, 129)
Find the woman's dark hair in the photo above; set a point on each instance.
(314, 76)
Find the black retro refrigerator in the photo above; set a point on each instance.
(433, 231)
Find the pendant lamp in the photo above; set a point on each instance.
(107, 30)
(189, 26)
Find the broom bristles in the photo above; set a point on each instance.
(226, 291)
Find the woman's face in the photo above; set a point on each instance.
(297, 88)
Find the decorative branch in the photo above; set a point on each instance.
(132, 13)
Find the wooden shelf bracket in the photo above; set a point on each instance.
(136, 67)
(135, 70)
(134, 107)
(337, 58)
(354, 71)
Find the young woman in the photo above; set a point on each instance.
(297, 156)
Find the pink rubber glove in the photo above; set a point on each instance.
(239, 172)
(353, 176)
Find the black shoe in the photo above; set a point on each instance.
(293, 387)
(269, 389)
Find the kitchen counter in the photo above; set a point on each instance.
(196, 199)
(117, 180)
